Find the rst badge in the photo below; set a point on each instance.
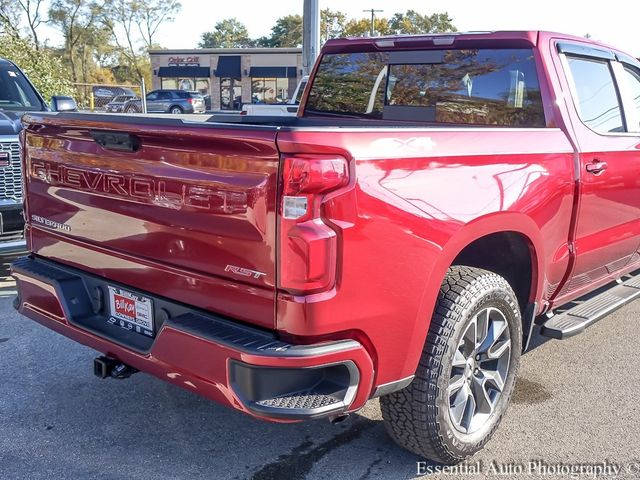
(244, 272)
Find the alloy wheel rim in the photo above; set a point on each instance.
(479, 370)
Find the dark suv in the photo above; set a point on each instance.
(168, 101)
(17, 96)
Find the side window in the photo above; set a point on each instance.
(597, 99)
(164, 96)
(152, 96)
(632, 77)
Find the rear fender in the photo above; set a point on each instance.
(495, 223)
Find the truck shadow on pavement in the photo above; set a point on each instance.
(176, 434)
(156, 430)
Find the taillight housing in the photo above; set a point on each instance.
(190, 101)
(308, 246)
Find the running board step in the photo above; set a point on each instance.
(574, 321)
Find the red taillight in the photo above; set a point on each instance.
(190, 101)
(308, 247)
(314, 175)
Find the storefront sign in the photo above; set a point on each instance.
(184, 61)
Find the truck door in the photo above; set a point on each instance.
(605, 122)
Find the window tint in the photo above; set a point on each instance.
(632, 76)
(345, 83)
(152, 96)
(597, 101)
(480, 87)
(15, 91)
(164, 96)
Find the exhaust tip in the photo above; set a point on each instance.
(338, 418)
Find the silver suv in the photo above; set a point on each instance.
(168, 101)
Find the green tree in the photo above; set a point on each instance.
(43, 67)
(332, 24)
(287, 32)
(362, 27)
(412, 22)
(228, 33)
(77, 22)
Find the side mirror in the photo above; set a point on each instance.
(63, 104)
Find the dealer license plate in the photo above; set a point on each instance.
(131, 311)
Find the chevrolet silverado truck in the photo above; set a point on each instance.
(437, 199)
(17, 96)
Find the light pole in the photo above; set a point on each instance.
(310, 34)
(373, 12)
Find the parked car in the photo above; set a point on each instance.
(104, 94)
(436, 197)
(168, 101)
(17, 96)
(278, 109)
(117, 104)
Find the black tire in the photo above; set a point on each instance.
(418, 417)
(176, 110)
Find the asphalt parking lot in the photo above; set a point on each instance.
(576, 403)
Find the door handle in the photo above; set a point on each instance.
(596, 167)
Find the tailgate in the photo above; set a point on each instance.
(185, 211)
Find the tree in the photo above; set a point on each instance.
(362, 27)
(43, 67)
(332, 24)
(411, 22)
(287, 32)
(151, 14)
(76, 20)
(119, 18)
(33, 13)
(10, 18)
(228, 33)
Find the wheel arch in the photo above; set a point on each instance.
(471, 242)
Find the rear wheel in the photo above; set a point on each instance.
(176, 110)
(467, 371)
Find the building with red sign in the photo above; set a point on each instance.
(230, 77)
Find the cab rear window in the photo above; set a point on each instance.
(478, 87)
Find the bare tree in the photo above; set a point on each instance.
(151, 14)
(33, 12)
(10, 18)
(119, 18)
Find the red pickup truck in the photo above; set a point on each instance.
(435, 199)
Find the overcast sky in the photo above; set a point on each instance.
(614, 22)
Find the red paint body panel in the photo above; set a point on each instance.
(167, 219)
(421, 196)
(170, 218)
(177, 357)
